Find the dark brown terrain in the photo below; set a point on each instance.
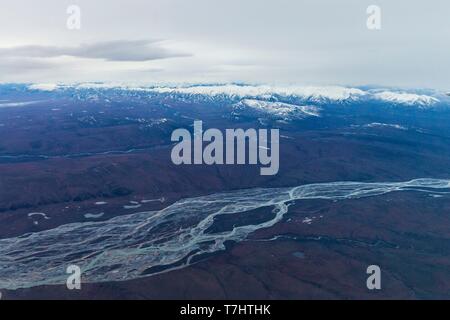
(62, 158)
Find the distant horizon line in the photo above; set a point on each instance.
(186, 84)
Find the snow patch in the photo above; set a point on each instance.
(17, 104)
(43, 86)
(385, 125)
(279, 108)
(406, 98)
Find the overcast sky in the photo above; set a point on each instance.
(311, 42)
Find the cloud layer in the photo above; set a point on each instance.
(120, 50)
(320, 42)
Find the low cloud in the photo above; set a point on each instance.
(120, 50)
(21, 65)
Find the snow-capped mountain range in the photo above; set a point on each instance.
(282, 94)
(279, 110)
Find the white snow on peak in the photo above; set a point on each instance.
(43, 86)
(312, 93)
(280, 108)
(406, 98)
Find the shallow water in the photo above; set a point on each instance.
(126, 247)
